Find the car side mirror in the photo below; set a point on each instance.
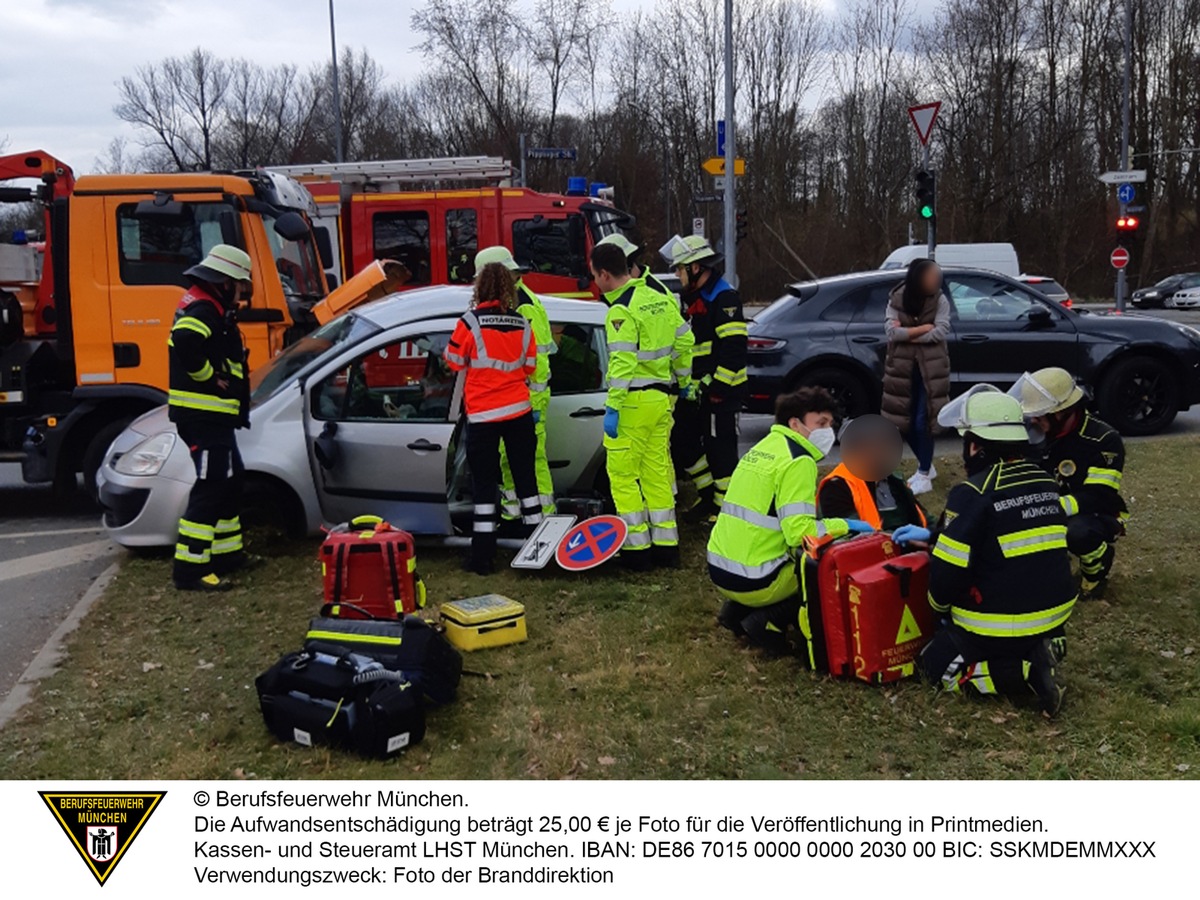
(325, 447)
(1040, 318)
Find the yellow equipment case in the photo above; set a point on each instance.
(491, 620)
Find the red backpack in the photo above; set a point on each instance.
(369, 570)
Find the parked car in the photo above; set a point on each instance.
(1157, 295)
(830, 332)
(1048, 287)
(1186, 298)
(1000, 258)
(361, 417)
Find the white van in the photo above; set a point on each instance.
(1000, 258)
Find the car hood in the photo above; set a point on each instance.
(1132, 326)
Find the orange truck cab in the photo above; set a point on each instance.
(91, 354)
(432, 215)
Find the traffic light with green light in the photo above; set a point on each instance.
(926, 193)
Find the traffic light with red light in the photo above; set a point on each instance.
(1127, 224)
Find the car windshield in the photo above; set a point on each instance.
(1170, 281)
(297, 263)
(306, 352)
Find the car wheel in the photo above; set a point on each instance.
(1139, 395)
(267, 503)
(93, 455)
(847, 389)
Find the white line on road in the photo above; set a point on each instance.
(48, 657)
(37, 563)
(58, 532)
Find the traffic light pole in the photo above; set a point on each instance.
(1125, 87)
(730, 218)
(931, 222)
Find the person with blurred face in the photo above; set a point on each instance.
(755, 550)
(864, 485)
(916, 370)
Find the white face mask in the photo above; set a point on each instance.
(823, 439)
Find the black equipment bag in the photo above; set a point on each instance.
(410, 646)
(325, 695)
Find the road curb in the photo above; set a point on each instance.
(47, 659)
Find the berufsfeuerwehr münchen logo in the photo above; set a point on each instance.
(101, 825)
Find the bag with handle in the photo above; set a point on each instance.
(369, 570)
(890, 617)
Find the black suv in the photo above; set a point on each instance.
(830, 333)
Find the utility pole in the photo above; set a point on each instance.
(337, 92)
(1125, 89)
(730, 155)
(521, 151)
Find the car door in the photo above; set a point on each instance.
(866, 335)
(1001, 329)
(575, 424)
(379, 423)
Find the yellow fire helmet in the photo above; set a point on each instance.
(683, 251)
(616, 239)
(1046, 391)
(223, 261)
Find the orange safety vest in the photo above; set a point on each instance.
(499, 351)
(864, 504)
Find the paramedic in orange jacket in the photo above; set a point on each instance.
(864, 485)
(497, 348)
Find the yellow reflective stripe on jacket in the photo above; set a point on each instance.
(1033, 540)
(730, 377)
(732, 329)
(204, 373)
(954, 552)
(1012, 625)
(205, 402)
(1070, 505)
(703, 348)
(235, 368)
(191, 323)
(1104, 477)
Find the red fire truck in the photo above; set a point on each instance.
(433, 214)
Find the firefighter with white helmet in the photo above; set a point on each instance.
(706, 437)
(1000, 576)
(1087, 457)
(530, 306)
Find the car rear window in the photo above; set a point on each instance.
(1048, 286)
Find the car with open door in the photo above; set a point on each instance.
(362, 417)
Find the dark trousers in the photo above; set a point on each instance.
(957, 660)
(764, 626)
(1092, 537)
(210, 532)
(483, 456)
(920, 434)
(704, 445)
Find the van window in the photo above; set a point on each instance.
(404, 237)
(156, 249)
(551, 246)
(461, 244)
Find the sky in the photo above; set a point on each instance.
(62, 59)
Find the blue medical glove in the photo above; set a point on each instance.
(537, 416)
(687, 393)
(610, 421)
(906, 534)
(858, 526)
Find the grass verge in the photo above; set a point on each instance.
(630, 678)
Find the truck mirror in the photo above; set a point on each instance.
(291, 226)
(324, 248)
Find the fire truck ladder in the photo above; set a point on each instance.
(457, 168)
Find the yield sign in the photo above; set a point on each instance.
(923, 118)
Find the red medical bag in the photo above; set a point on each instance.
(889, 617)
(370, 571)
(830, 614)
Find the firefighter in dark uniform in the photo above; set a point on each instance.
(209, 399)
(1000, 576)
(706, 436)
(1088, 459)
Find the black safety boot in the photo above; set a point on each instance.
(730, 616)
(209, 584)
(636, 560)
(765, 634)
(1041, 677)
(664, 557)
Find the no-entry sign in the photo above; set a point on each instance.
(1119, 258)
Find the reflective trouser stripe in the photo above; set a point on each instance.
(639, 465)
(485, 518)
(541, 468)
(1093, 563)
(1011, 625)
(196, 530)
(664, 531)
(979, 677)
(729, 376)
(701, 475)
(227, 545)
(201, 557)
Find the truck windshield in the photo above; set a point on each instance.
(605, 221)
(297, 264)
(305, 353)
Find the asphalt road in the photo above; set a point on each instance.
(50, 552)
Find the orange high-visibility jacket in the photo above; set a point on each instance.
(499, 351)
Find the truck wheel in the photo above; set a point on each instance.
(847, 389)
(93, 455)
(1139, 395)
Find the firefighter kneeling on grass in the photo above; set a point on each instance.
(756, 547)
(1000, 575)
(209, 398)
